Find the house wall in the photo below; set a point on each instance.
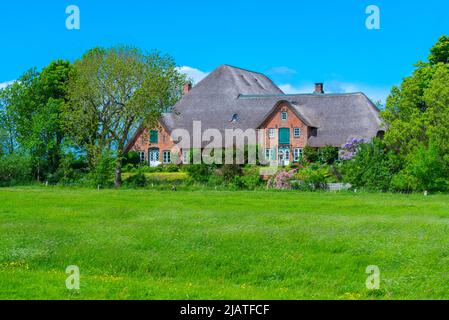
(142, 142)
(165, 143)
(275, 121)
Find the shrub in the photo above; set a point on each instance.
(373, 167)
(328, 155)
(403, 182)
(311, 154)
(138, 180)
(70, 170)
(129, 168)
(282, 180)
(312, 178)
(103, 172)
(216, 180)
(350, 149)
(230, 172)
(15, 169)
(132, 158)
(200, 172)
(250, 180)
(425, 169)
(170, 168)
(324, 155)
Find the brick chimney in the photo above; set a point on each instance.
(319, 88)
(187, 87)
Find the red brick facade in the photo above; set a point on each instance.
(283, 117)
(142, 143)
(292, 122)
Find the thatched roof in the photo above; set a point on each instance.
(252, 96)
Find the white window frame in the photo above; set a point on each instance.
(268, 154)
(186, 156)
(271, 133)
(297, 130)
(167, 157)
(142, 156)
(298, 154)
(282, 116)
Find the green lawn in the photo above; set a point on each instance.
(221, 245)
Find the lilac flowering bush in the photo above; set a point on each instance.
(350, 149)
(282, 180)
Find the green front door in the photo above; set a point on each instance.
(284, 136)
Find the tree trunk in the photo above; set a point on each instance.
(118, 170)
(118, 173)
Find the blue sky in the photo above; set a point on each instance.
(295, 42)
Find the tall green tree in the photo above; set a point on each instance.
(417, 114)
(8, 134)
(113, 92)
(35, 103)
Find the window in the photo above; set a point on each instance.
(268, 154)
(186, 156)
(235, 118)
(271, 133)
(284, 116)
(297, 132)
(154, 136)
(142, 156)
(167, 157)
(298, 154)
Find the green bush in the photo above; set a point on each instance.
(230, 172)
(314, 177)
(311, 154)
(71, 169)
(328, 155)
(132, 158)
(15, 169)
(404, 182)
(425, 169)
(138, 180)
(170, 168)
(200, 172)
(103, 172)
(324, 155)
(250, 180)
(373, 167)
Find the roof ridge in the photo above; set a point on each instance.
(246, 96)
(247, 70)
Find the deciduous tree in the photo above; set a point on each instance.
(113, 92)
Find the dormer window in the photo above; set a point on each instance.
(284, 116)
(235, 118)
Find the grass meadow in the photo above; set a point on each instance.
(143, 244)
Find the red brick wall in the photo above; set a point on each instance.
(165, 143)
(275, 121)
(142, 142)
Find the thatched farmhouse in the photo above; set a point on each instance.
(234, 98)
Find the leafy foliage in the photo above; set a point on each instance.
(426, 169)
(114, 91)
(15, 169)
(34, 105)
(311, 178)
(324, 155)
(200, 172)
(373, 167)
